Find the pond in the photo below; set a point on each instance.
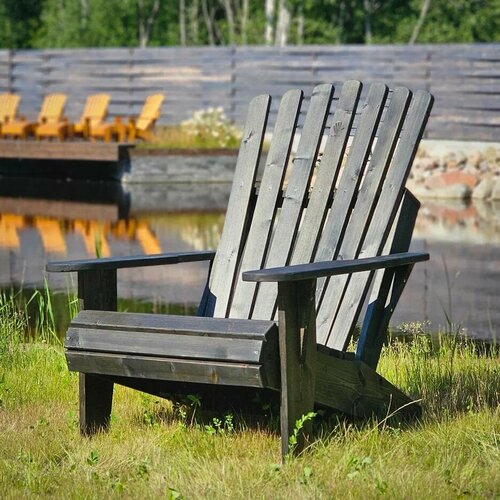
(55, 220)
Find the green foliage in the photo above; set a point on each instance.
(77, 23)
(297, 429)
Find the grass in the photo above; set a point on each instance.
(162, 449)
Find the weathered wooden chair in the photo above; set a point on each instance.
(50, 114)
(292, 271)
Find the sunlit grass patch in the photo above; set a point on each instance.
(160, 448)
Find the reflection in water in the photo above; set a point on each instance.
(461, 280)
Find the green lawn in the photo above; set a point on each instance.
(156, 448)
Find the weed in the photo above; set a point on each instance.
(293, 440)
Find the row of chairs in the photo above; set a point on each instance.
(52, 124)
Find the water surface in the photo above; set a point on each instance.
(59, 220)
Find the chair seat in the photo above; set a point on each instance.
(205, 350)
(18, 127)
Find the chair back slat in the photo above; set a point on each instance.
(267, 202)
(383, 216)
(239, 210)
(364, 204)
(299, 177)
(327, 173)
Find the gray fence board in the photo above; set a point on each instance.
(465, 79)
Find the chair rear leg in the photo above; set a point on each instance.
(96, 397)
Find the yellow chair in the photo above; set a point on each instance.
(8, 108)
(50, 115)
(94, 112)
(136, 128)
(142, 127)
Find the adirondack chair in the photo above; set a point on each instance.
(141, 128)
(8, 108)
(137, 127)
(292, 271)
(94, 112)
(50, 114)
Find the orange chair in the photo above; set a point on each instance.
(137, 127)
(94, 113)
(50, 114)
(8, 108)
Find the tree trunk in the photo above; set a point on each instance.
(368, 21)
(182, 22)
(146, 23)
(230, 20)
(423, 12)
(283, 25)
(244, 20)
(269, 33)
(208, 22)
(193, 23)
(300, 26)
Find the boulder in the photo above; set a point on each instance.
(484, 189)
(495, 192)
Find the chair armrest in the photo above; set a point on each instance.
(333, 268)
(124, 262)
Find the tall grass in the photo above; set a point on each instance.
(157, 448)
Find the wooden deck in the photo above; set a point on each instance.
(64, 159)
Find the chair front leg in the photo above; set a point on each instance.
(97, 291)
(297, 347)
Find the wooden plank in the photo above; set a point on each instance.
(385, 211)
(288, 220)
(166, 368)
(167, 343)
(239, 209)
(265, 208)
(365, 202)
(297, 347)
(315, 270)
(354, 388)
(113, 263)
(327, 173)
(378, 313)
(62, 150)
(180, 325)
(357, 158)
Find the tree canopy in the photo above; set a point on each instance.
(140, 23)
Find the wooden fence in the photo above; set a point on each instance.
(465, 79)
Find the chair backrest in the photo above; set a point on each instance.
(96, 108)
(150, 112)
(8, 107)
(52, 108)
(309, 209)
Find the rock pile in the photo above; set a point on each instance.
(456, 175)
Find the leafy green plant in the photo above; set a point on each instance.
(299, 425)
(357, 466)
(93, 458)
